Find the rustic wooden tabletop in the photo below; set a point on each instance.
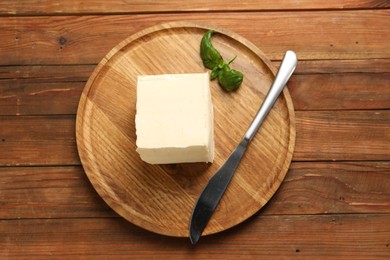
(335, 199)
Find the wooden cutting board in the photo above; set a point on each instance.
(160, 198)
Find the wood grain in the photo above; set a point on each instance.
(81, 73)
(343, 135)
(38, 141)
(34, 7)
(324, 91)
(49, 192)
(342, 66)
(39, 97)
(363, 135)
(308, 92)
(322, 210)
(308, 188)
(52, 73)
(349, 236)
(333, 188)
(39, 40)
(54, 90)
(160, 198)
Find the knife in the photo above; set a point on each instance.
(216, 186)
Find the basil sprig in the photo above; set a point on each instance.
(228, 78)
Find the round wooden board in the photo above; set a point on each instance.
(160, 198)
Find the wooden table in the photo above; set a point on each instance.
(335, 200)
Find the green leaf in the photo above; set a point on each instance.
(230, 79)
(215, 72)
(210, 56)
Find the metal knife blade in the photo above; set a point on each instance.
(216, 186)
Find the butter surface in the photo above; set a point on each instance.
(174, 118)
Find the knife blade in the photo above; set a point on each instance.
(217, 185)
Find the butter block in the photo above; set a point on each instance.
(174, 118)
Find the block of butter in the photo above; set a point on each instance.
(174, 118)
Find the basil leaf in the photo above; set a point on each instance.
(230, 79)
(210, 56)
(215, 72)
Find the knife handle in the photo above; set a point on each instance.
(286, 69)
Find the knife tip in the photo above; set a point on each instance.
(194, 233)
(194, 238)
